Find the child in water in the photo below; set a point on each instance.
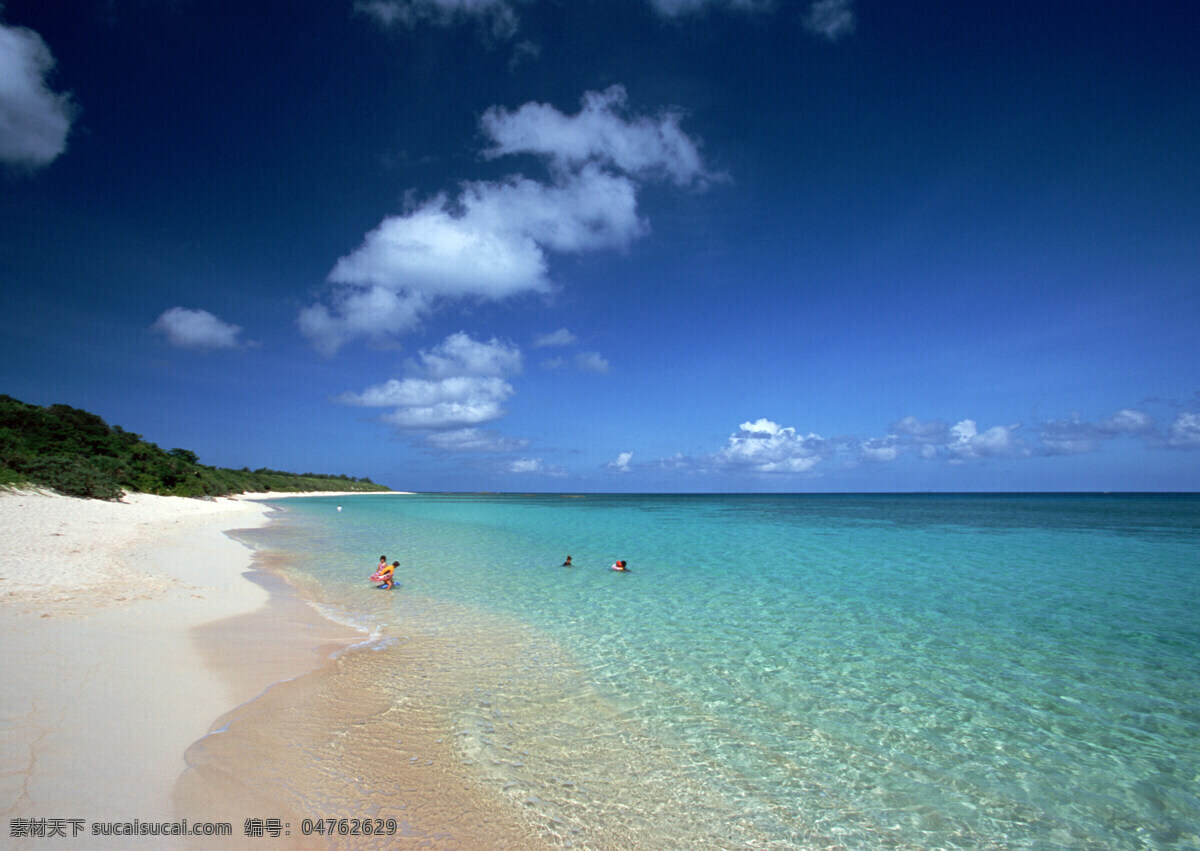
(621, 566)
(387, 573)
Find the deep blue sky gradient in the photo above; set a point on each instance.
(952, 212)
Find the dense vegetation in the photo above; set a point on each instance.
(77, 453)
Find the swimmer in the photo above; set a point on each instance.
(379, 568)
(621, 566)
(567, 563)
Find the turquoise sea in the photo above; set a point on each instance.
(801, 671)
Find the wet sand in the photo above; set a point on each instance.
(157, 670)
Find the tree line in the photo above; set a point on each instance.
(77, 453)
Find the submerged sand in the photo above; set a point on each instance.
(140, 639)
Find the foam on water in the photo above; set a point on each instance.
(796, 671)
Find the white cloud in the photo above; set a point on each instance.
(34, 121)
(880, 450)
(1076, 436)
(966, 442)
(493, 240)
(445, 403)
(672, 8)
(1185, 432)
(766, 447)
(474, 440)
(919, 432)
(457, 384)
(498, 16)
(491, 243)
(480, 405)
(526, 465)
(424, 392)
(374, 312)
(832, 19)
(586, 361)
(599, 133)
(196, 329)
(561, 337)
(1127, 421)
(458, 354)
(440, 253)
(621, 465)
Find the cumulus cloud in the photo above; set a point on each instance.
(600, 133)
(494, 239)
(935, 439)
(373, 312)
(491, 244)
(197, 329)
(967, 442)
(498, 17)
(458, 384)
(34, 120)
(561, 337)
(621, 465)
(832, 19)
(767, 447)
(526, 465)
(459, 354)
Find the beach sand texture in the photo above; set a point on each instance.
(133, 629)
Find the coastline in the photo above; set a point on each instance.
(106, 682)
(155, 666)
(332, 743)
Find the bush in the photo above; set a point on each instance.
(73, 477)
(78, 453)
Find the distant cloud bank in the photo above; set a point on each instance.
(765, 447)
(34, 120)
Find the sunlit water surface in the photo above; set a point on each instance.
(922, 671)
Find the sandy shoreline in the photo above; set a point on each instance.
(106, 684)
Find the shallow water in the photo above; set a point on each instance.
(874, 671)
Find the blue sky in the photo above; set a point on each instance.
(651, 245)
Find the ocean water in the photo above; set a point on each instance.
(912, 671)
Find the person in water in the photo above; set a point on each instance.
(567, 563)
(387, 573)
(621, 566)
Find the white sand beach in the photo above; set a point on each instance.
(105, 685)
